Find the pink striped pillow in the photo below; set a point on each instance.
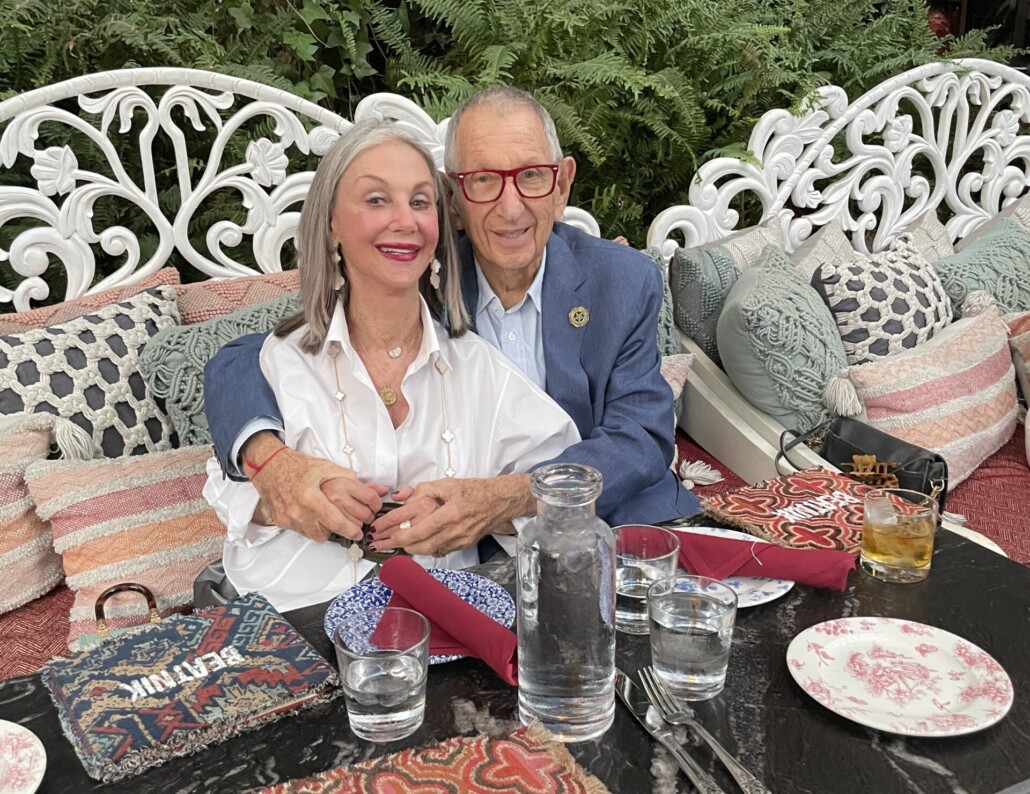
(30, 566)
(140, 519)
(1019, 341)
(954, 394)
(59, 313)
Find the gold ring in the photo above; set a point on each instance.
(404, 525)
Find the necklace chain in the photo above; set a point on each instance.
(340, 396)
(387, 393)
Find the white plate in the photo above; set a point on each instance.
(22, 759)
(900, 676)
(488, 597)
(751, 590)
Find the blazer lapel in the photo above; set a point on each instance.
(567, 381)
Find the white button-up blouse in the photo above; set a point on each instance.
(501, 423)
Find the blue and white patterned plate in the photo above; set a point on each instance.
(751, 590)
(488, 597)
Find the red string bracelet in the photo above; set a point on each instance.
(257, 467)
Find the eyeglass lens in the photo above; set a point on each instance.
(531, 182)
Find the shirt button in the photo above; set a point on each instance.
(496, 309)
(511, 336)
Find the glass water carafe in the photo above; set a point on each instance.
(566, 607)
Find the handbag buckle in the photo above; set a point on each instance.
(936, 486)
(870, 471)
(133, 587)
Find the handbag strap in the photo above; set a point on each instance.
(133, 587)
(818, 432)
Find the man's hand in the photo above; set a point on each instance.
(465, 511)
(311, 496)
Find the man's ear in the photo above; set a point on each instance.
(566, 173)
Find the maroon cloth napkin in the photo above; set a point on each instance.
(718, 558)
(455, 626)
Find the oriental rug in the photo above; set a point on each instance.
(526, 761)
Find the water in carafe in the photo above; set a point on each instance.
(566, 607)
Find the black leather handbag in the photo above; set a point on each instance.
(916, 468)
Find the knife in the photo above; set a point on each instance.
(636, 701)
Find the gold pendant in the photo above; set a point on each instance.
(387, 395)
(394, 352)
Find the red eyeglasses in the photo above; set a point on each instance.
(487, 184)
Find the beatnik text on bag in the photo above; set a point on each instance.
(817, 506)
(167, 680)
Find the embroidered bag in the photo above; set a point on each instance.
(173, 688)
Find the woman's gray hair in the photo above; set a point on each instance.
(503, 99)
(317, 249)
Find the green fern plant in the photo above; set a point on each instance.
(642, 91)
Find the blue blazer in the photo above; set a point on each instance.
(605, 374)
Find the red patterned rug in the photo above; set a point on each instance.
(996, 497)
(526, 761)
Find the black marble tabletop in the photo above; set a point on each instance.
(782, 735)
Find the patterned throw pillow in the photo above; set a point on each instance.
(828, 244)
(87, 370)
(779, 345)
(997, 262)
(58, 313)
(701, 279)
(173, 362)
(884, 303)
(1019, 342)
(955, 395)
(930, 237)
(207, 300)
(27, 556)
(140, 519)
(668, 339)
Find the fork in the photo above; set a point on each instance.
(680, 714)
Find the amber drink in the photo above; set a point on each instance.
(898, 528)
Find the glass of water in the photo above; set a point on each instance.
(383, 656)
(691, 622)
(643, 556)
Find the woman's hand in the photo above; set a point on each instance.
(462, 511)
(311, 496)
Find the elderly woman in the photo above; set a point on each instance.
(377, 372)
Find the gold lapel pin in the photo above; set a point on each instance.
(579, 317)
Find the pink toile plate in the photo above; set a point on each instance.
(22, 759)
(900, 676)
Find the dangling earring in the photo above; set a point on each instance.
(340, 281)
(434, 274)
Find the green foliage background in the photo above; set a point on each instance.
(641, 90)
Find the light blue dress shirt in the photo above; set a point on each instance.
(517, 332)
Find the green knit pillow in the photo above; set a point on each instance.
(779, 344)
(173, 361)
(701, 280)
(668, 339)
(997, 262)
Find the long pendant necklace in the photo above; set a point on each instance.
(387, 393)
(354, 551)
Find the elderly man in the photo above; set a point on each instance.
(577, 314)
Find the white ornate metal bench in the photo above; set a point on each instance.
(852, 162)
(224, 201)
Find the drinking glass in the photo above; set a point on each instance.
(898, 526)
(643, 556)
(691, 621)
(383, 656)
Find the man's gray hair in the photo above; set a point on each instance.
(317, 249)
(501, 99)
